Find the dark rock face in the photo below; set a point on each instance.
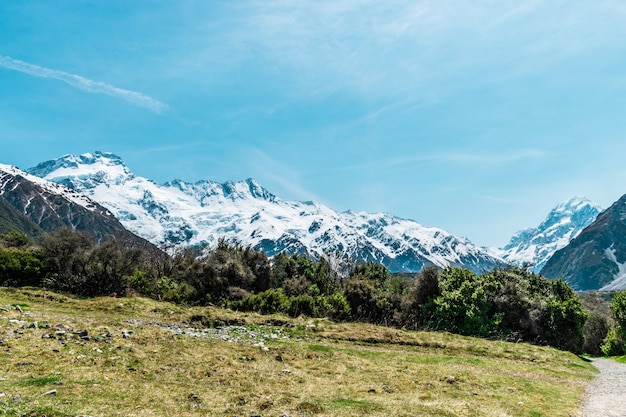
(32, 208)
(596, 258)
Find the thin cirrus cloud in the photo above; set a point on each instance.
(85, 84)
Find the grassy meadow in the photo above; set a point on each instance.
(65, 356)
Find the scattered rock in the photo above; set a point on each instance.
(17, 398)
(19, 323)
(84, 335)
(286, 371)
(449, 379)
(372, 391)
(51, 392)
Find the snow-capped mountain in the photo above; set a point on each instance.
(34, 205)
(535, 246)
(596, 258)
(179, 214)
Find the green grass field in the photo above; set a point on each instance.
(140, 357)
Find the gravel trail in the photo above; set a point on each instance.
(606, 395)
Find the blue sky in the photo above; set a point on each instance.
(477, 117)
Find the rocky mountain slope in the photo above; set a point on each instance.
(33, 205)
(534, 246)
(179, 214)
(596, 258)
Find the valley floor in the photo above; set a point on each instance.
(62, 356)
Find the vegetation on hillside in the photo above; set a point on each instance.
(505, 303)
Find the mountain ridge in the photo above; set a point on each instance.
(179, 213)
(534, 246)
(596, 258)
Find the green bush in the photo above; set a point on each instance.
(614, 345)
(21, 267)
(303, 304)
(464, 304)
(595, 332)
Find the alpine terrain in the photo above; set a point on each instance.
(534, 246)
(33, 206)
(179, 214)
(596, 258)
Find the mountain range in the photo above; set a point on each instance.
(179, 214)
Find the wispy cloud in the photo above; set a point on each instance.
(466, 158)
(484, 158)
(85, 84)
(283, 175)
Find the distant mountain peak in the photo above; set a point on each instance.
(575, 204)
(84, 171)
(596, 258)
(534, 246)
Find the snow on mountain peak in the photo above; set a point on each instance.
(534, 246)
(178, 214)
(84, 171)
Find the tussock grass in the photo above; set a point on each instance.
(299, 367)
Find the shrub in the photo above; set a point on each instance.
(303, 304)
(19, 267)
(595, 332)
(464, 304)
(614, 345)
(267, 302)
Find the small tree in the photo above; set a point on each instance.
(423, 290)
(616, 339)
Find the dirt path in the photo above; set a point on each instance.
(606, 395)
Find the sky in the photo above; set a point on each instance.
(476, 117)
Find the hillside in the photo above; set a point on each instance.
(13, 220)
(65, 356)
(33, 205)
